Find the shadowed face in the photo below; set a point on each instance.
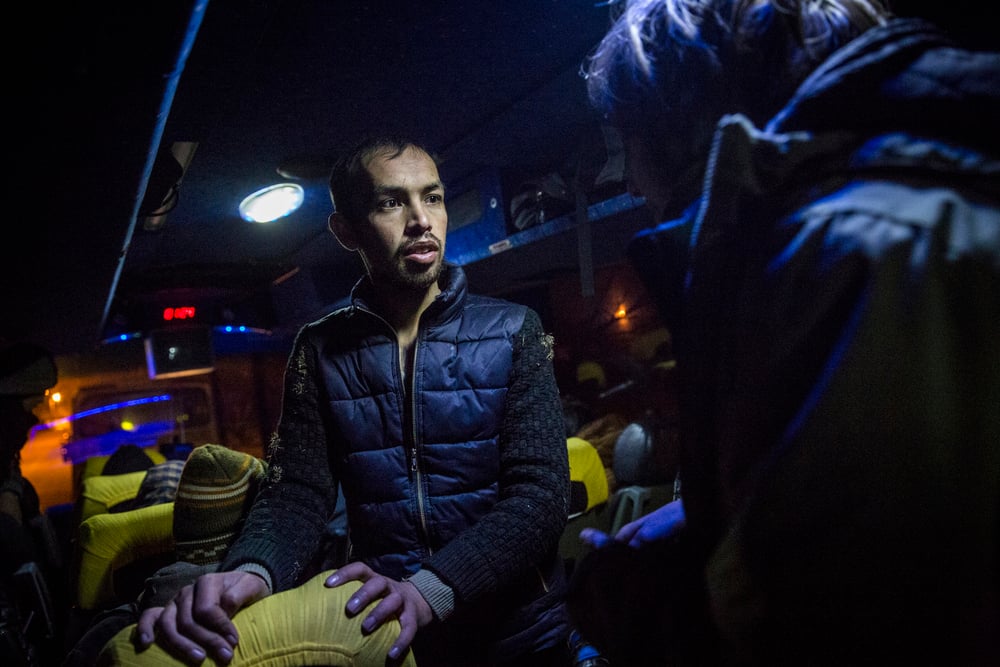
(667, 181)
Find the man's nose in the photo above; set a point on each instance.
(418, 218)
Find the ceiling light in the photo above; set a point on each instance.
(272, 202)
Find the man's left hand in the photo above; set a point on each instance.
(396, 599)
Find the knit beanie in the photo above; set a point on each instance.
(216, 489)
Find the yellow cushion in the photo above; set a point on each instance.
(100, 493)
(111, 541)
(302, 627)
(585, 466)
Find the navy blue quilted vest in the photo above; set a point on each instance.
(417, 467)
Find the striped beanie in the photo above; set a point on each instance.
(216, 489)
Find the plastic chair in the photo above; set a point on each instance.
(632, 502)
(645, 467)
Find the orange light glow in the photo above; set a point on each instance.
(621, 313)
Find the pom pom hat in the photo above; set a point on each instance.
(216, 489)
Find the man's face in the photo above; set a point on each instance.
(644, 177)
(403, 243)
(667, 181)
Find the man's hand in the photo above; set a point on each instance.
(658, 525)
(196, 623)
(397, 599)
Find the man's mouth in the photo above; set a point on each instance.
(421, 251)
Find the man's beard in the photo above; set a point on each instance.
(400, 275)
(417, 281)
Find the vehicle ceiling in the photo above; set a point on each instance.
(253, 86)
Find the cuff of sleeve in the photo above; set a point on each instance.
(260, 571)
(438, 594)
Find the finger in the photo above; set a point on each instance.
(372, 590)
(144, 627)
(355, 571)
(200, 636)
(408, 630)
(593, 537)
(653, 532)
(173, 641)
(212, 608)
(627, 533)
(389, 607)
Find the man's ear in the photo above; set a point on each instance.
(343, 230)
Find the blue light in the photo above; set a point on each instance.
(96, 411)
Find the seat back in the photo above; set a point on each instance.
(98, 494)
(94, 466)
(111, 542)
(587, 475)
(644, 454)
(588, 498)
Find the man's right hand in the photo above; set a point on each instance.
(655, 526)
(196, 623)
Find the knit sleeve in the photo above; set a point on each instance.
(526, 523)
(288, 518)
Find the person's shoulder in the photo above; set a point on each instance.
(332, 319)
(498, 304)
(311, 335)
(503, 317)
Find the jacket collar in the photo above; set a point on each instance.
(447, 304)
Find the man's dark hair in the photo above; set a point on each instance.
(351, 188)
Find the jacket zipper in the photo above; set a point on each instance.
(414, 458)
(413, 454)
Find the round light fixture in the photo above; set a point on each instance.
(272, 202)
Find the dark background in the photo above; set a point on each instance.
(103, 92)
(99, 95)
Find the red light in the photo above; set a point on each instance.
(178, 313)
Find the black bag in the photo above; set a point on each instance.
(539, 201)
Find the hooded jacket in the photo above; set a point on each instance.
(838, 339)
(463, 471)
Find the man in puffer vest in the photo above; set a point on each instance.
(437, 412)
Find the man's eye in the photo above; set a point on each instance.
(389, 203)
(434, 199)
